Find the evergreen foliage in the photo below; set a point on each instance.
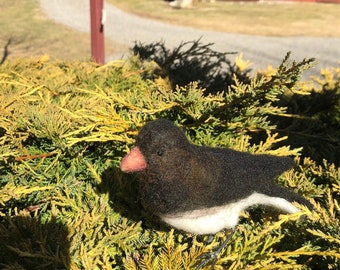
(64, 204)
(193, 61)
(312, 114)
(314, 121)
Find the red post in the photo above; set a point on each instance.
(97, 31)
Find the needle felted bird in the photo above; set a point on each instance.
(203, 190)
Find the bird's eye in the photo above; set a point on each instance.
(160, 152)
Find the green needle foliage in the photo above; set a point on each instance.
(64, 204)
(193, 61)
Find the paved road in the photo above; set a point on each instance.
(126, 28)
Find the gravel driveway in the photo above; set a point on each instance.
(126, 28)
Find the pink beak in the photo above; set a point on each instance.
(133, 161)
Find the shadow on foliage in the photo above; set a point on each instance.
(313, 122)
(314, 125)
(291, 241)
(123, 193)
(29, 243)
(193, 61)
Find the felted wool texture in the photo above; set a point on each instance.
(182, 177)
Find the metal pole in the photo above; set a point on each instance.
(97, 31)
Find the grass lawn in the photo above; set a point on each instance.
(266, 18)
(28, 32)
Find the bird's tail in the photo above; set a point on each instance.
(290, 196)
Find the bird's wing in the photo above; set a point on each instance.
(236, 175)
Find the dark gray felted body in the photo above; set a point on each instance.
(182, 177)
